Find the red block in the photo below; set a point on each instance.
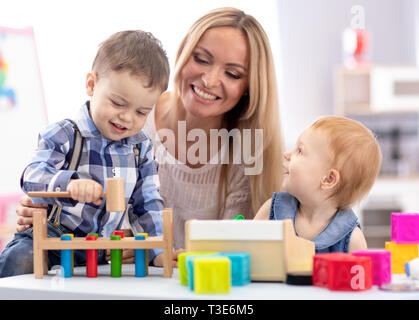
(342, 272)
(91, 260)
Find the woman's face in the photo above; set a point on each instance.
(216, 74)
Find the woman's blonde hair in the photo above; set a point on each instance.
(257, 109)
(356, 155)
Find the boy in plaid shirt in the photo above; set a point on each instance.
(129, 74)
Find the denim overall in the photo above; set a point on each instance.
(334, 238)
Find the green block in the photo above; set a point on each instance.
(116, 259)
(183, 271)
(212, 275)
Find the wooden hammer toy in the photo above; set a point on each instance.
(115, 197)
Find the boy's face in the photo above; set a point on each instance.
(307, 164)
(119, 103)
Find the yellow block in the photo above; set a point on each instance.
(212, 275)
(400, 254)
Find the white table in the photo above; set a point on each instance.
(154, 286)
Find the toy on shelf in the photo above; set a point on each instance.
(342, 271)
(41, 243)
(404, 244)
(273, 246)
(405, 227)
(412, 269)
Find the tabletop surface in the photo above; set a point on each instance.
(155, 286)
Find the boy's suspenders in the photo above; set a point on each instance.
(73, 165)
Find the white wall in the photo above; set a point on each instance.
(69, 32)
(310, 33)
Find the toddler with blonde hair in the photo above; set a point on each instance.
(333, 165)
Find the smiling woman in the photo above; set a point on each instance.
(224, 79)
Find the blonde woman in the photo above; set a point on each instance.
(224, 83)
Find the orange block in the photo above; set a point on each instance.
(400, 254)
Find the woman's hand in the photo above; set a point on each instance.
(24, 211)
(158, 260)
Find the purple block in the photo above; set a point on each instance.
(405, 227)
(381, 265)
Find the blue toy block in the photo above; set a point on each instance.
(140, 256)
(66, 259)
(240, 267)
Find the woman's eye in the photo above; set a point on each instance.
(300, 151)
(233, 75)
(199, 59)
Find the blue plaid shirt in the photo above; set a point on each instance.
(100, 159)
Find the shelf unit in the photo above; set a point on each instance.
(395, 190)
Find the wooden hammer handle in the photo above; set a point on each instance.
(53, 194)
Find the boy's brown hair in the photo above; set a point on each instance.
(137, 51)
(356, 155)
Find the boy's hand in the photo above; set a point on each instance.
(85, 190)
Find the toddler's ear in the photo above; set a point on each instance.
(90, 83)
(330, 180)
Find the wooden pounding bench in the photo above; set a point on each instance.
(41, 243)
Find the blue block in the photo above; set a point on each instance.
(66, 259)
(240, 267)
(140, 256)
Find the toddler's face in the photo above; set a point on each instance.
(306, 165)
(119, 103)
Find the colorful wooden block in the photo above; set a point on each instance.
(91, 259)
(342, 272)
(116, 259)
(72, 252)
(140, 259)
(145, 234)
(66, 259)
(190, 267)
(400, 254)
(240, 267)
(212, 275)
(405, 227)
(381, 265)
(183, 271)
